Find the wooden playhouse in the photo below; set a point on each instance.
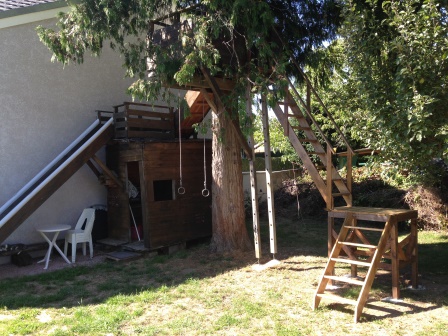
(159, 186)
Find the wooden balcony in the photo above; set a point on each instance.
(136, 120)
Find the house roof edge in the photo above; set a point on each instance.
(38, 12)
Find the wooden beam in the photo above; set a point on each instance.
(209, 100)
(330, 198)
(253, 182)
(269, 187)
(300, 150)
(107, 171)
(349, 178)
(218, 94)
(199, 82)
(93, 168)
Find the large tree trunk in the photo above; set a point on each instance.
(229, 229)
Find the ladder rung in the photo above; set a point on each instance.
(336, 298)
(341, 194)
(301, 128)
(308, 140)
(316, 153)
(358, 245)
(363, 228)
(351, 261)
(345, 279)
(298, 116)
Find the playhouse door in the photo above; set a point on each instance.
(164, 225)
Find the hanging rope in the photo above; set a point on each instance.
(299, 217)
(181, 189)
(205, 191)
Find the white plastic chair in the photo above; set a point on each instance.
(80, 234)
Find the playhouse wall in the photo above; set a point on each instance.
(188, 215)
(170, 221)
(44, 108)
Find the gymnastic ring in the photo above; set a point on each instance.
(205, 192)
(181, 190)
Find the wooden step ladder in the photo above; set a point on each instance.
(344, 244)
(301, 109)
(305, 135)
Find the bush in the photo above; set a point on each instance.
(370, 189)
(432, 206)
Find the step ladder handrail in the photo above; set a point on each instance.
(297, 66)
(311, 117)
(48, 166)
(329, 115)
(62, 166)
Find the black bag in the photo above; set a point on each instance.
(21, 258)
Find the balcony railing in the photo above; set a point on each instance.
(136, 120)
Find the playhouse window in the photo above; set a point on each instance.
(163, 190)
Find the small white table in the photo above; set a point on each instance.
(56, 229)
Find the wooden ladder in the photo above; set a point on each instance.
(344, 243)
(304, 134)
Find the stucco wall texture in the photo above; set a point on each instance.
(43, 108)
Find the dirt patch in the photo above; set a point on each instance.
(56, 263)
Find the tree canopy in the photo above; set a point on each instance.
(395, 79)
(244, 29)
(392, 57)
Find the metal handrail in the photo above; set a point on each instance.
(57, 171)
(47, 167)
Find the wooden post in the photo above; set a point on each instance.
(286, 112)
(253, 182)
(269, 188)
(414, 262)
(144, 201)
(354, 267)
(330, 241)
(394, 259)
(330, 202)
(349, 176)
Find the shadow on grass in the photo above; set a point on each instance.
(432, 291)
(85, 285)
(433, 258)
(152, 277)
(376, 310)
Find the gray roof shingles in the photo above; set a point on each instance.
(6, 5)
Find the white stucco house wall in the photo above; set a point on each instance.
(43, 108)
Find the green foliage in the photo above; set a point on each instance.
(395, 80)
(279, 143)
(232, 38)
(278, 163)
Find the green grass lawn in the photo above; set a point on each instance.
(194, 292)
